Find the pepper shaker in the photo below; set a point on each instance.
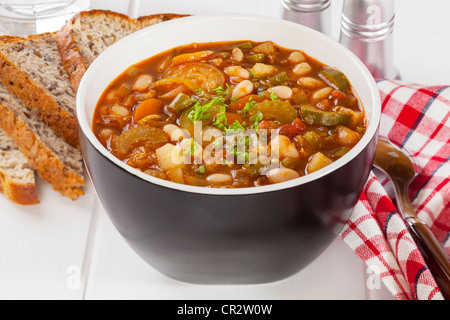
(315, 14)
(367, 30)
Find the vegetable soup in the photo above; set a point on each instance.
(229, 114)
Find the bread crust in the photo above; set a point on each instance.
(73, 61)
(33, 96)
(71, 57)
(20, 193)
(162, 17)
(41, 158)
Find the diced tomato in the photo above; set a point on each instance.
(337, 94)
(299, 124)
(292, 130)
(268, 125)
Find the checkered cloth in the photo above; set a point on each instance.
(416, 118)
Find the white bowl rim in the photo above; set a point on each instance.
(371, 130)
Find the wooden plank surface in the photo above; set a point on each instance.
(42, 248)
(117, 272)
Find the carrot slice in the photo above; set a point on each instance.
(147, 107)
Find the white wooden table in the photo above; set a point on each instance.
(69, 250)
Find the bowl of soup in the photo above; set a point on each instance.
(228, 149)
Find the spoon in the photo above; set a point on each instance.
(400, 169)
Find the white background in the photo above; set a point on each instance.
(69, 250)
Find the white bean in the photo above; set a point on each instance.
(237, 72)
(322, 93)
(111, 96)
(302, 69)
(296, 57)
(142, 83)
(237, 55)
(310, 83)
(219, 178)
(281, 175)
(282, 92)
(120, 111)
(242, 89)
(282, 145)
(106, 133)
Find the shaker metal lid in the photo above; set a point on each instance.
(307, 6)
(368, 19)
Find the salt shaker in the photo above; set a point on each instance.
(367, 30)
(315, 14)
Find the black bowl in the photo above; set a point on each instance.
(227, 236)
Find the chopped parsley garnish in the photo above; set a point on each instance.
(201, 169)
(273, 96)
(256, 119)
(248, 106)
(221, 91)
(236, 126)
(240, 148)
(192, 148)
(221, 118)
(201, 112)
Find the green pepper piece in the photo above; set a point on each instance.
(187, 123)
(279, 110)
(311, 115)
(181, 102)
(335, 78)
(247, 45)
(257, 58)
(340, 152)
(279, 78)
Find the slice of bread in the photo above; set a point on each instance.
(89, 33)
(16, 174)
(56, 162)
(32, 69)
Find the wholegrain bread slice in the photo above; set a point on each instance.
(89, 33)
(32, 69)
(56, 162)
(17, 179)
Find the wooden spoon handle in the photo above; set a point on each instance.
(433, 252)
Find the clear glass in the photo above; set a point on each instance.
(34, 8)
(25, 17)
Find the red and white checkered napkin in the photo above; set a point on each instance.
(416, 118)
